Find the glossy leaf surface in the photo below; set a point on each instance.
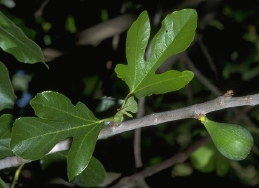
(58, 118)
(93, 175)
(7, 96)
(15, 42)
(53, 158)
(6, 122)
(175, 35)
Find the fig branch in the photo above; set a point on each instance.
(219, 103)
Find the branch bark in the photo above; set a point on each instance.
(178, 158)
(137, 135)
(218, 103)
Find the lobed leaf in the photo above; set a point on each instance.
(130, 106)
(33, 137)
(175, 35)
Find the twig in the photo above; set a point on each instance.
(137, 134)
(104, 30)
(96, 34)
(216, 91)
(202, 79)
(241, 113)
(218, 103)
(189, 93)
(206, 53)
(38, 13)
(178, 158)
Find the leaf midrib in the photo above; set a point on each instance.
(60, 131)
(161, 81)
(83, 142)
(146, 62)
(65, 112)
(135, 61)
(35, 53)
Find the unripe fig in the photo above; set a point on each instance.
(233, 141)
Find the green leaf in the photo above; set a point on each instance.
(48, 160)
(6, 122)
(222, 165)
(19, 22)
(175, 35)
(7, 96)
(207, 159)
(130, 106)
(93, 175)
(70, 24)
(203, 159)
(3, 184)
(33, 137)
(15, 42)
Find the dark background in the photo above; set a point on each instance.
(225, 52)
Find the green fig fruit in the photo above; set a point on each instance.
(233, 141)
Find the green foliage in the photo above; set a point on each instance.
(33, 137)
(130, 106)
(15, 42)
(6, 122)
(53, 158)
(221, 59)
(3, 184)
(207, 159)
(70, 24)
(93, 175)
(175, 35)
(7, 95)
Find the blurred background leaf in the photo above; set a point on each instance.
(225, 52)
